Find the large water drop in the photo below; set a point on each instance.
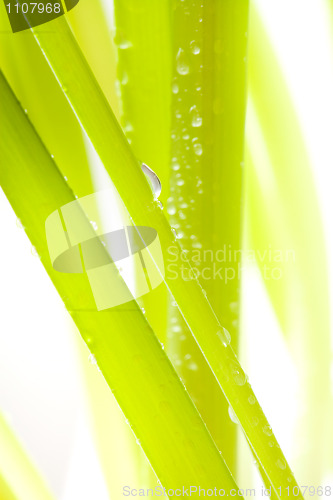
(153, 180)
(182, 64)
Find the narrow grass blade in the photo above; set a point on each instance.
(208, 114)
(19, 479)
(30, 77)
(142, 39)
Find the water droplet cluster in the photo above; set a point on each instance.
(186, 166)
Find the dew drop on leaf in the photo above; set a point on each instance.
(194, 47)
(224, 336)
(267, 430)
(171, 209)
(122, 43)
(182, 64)
(281, 464)
(237, 373)
(153, 180)
(175, 88)
(252, 399)
(92, 359)
(19, 223)
(197, 149)
(124, 78)
(34, 251)
(233, 416)
(196, 119)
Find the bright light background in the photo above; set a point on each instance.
(41, 384)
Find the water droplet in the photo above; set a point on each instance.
(176, 167)
(224, 336)
(153, 180)
(182, 65)
(175, 234)
(138, 442)
(66, 178)
(94, 225)
(159, 204)
(233, 307)
(34, 252)
(281, 464)
(195, 116)
(92, 359)
(26, 111)
(122, 43)
(52, 156)
(197, 149)
(180, 182)
(192, 366)
(252, 400)
(237, 373)
(143, 310)
(162, 345)
(194, 48)
(171, 209)
(175, 88)
(128, 128)
(267, 430)
(19, 223)
(123, 78)
(233, 415)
